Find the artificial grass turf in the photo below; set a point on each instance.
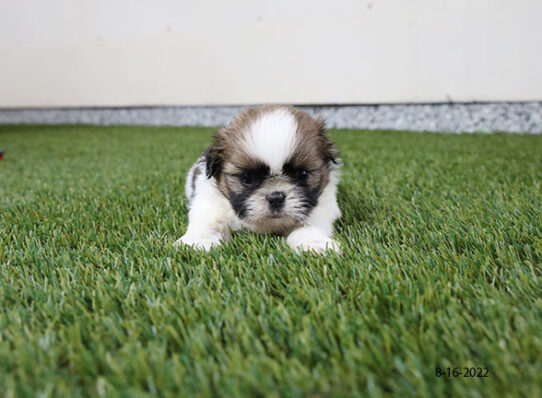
(442, 239)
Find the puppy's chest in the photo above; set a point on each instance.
(282, 226)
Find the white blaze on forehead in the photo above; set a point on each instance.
(272, 137)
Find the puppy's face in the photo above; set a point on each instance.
(272, 163)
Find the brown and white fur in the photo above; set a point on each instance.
(272, 170)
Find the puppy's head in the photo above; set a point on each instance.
(272, 163)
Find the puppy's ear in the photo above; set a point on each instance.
(331, 154)
(213, 159)
(214, 155)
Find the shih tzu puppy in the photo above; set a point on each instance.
(272, 170)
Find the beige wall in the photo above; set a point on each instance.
(131, 52)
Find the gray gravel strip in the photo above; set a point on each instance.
(525, 117)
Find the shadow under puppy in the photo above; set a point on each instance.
(272, 170)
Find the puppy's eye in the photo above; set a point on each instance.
(301, 174)
(248, 178)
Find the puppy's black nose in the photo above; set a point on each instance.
(276, 199)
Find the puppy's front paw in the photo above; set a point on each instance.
(310, 239)
(318, 246)
(199, 242)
